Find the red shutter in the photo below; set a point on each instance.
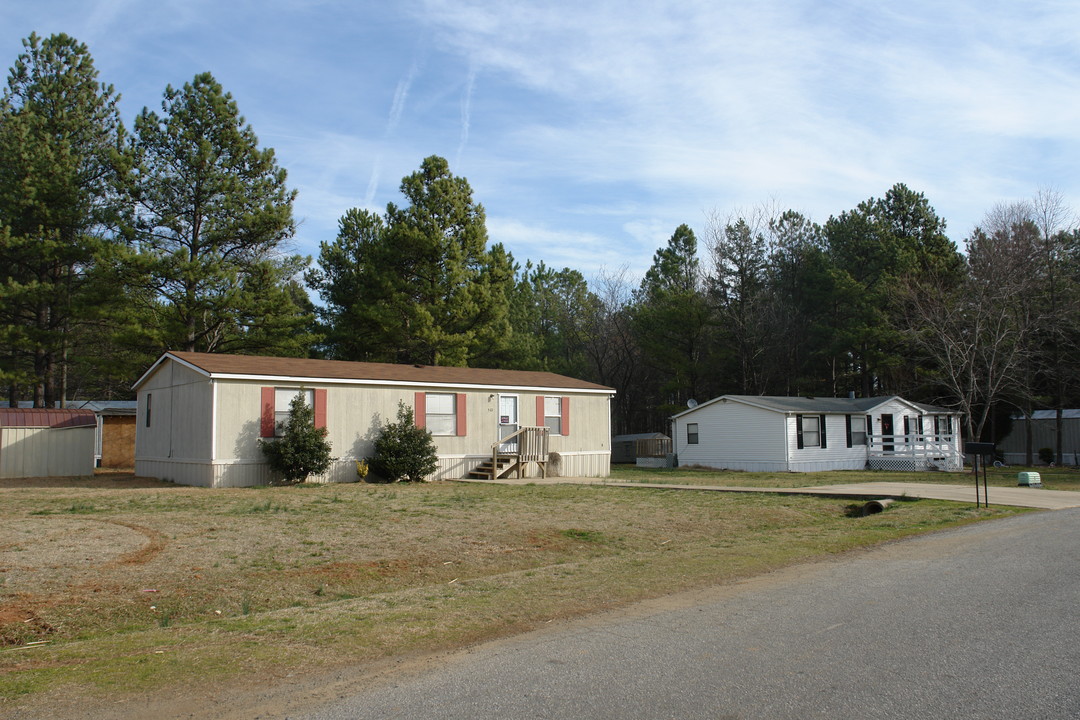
(462, 422)
(565, 415)
(320, 408)
(266, 414)
(420, 410)
(540, 411)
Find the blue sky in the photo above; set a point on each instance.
(590, 130)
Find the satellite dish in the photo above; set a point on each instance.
(691, 403)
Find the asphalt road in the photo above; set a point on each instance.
(980, 622)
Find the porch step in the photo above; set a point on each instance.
(487, 471)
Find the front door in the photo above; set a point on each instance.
(508, 421)
(887, 433)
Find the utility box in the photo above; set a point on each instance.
(1029, 479)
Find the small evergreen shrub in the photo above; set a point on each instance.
(303, 449)
(403, 451)
(1046, 455)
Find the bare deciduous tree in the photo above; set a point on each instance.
(977, 335)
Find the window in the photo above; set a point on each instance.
(858, 430)
(440, 414)
(282, 398)
(811, 431)
(691, 434)
(553, 414)
(149, 397)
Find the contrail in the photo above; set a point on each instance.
(466, 113)
(397, 109)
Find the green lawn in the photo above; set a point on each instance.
(1052, 478)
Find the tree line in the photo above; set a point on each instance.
(116, 245)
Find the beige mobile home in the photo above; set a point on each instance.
(201, 416)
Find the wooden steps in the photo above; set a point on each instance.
(487, 471)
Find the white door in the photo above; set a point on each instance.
(508, 421)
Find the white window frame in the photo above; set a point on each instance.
(440, 413)
(553, 420)
(858, 437)
(815, 433)
(693, 437)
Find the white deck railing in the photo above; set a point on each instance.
(915, 451)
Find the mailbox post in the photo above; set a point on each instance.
(980, 450)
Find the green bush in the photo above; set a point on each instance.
(303, 449)
(403, 451)
(1046, 455)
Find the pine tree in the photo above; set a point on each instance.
(671, 320)
(214, 213)
(418, 285)
(62, 166)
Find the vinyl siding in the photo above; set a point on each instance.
(354, 415)
(46, 452)
(180, 415)
(836, 455)
(733, 436)
(1043, 434)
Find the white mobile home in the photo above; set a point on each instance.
(793, 434)
(201, 416)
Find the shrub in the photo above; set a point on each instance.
(1046, 455)
(303, 449)
(403, 451)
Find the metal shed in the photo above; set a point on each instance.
(46, 442)
(624, 448)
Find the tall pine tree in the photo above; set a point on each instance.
(213, 216)
(61, 168)
(418, 285)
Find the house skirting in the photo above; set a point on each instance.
(249, 473)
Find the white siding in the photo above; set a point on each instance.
(183, 472)
(732, 436)
(180, 415)
(46, 452)
(836, 455)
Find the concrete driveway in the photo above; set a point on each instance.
(1015, 496)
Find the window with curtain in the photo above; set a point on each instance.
(441, 414)
(553, 414)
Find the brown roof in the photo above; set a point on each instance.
(216, 364)
(45, 417)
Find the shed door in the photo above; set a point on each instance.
(508, 420)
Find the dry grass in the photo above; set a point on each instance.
(132, 585)
(1052, 478)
